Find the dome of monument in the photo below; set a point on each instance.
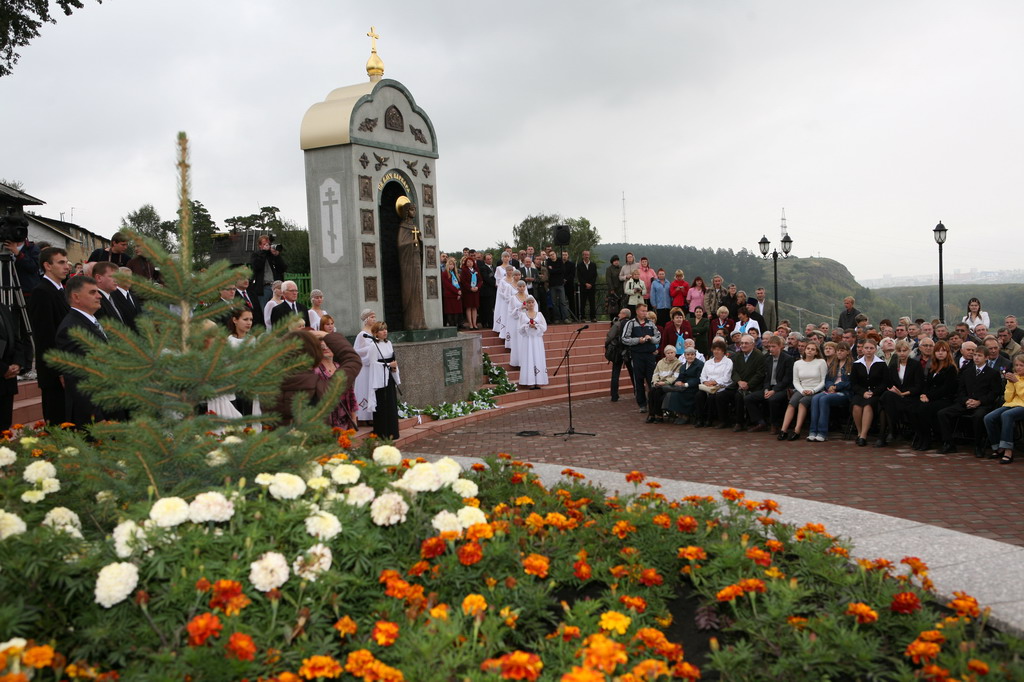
(327, 123)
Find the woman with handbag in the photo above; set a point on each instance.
(716, 375)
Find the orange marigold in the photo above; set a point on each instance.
(346, 626)
(635, 604)
(863, 612)
(650, 669)
(378, 671)
(228, 597)
(358, 662)
(566, 632)
(517, 665)
(692, 553)
(418, 568)
(729, 593)
(685, 671)
(759, 556)
(686, 524)
(320, 666)
(977, 667)
(38, 656)
(385, 633)
(905, 602)
(917, 567)
(932, 636)
(517, 478)
(536, 564)
(478, 467)
(470, 553)
(774, 546)
(474, 604)
(769, 506)
(635, 477)
(579, 674)
(662, 520)
(202, 585)
(733, 494)
(480, 531)
(581, 569)
(621, 529)
(523, 500)
(752, 585)
(202, 627)
(650, 577)
(799, 622)
(241, 646)
(432, 547)
(603, 653)
(965, 605)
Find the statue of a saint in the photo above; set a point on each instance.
(410, 263)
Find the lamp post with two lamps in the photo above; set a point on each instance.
(787, 245)
(940, 238)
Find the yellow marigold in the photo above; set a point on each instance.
(965, 605)
(535, 522)
(439, 612)
(662, 520)
(560, 521)
(863, 612)
(474, 604)
(385, 633)
(358, 662)
(729, 593)
(471, 501)
(536, 564)
(692, 553)
(774, 572)
(509, 616)
(480, 531)
(38, 656)
(650, 669)
(733, 494)
(603, 653)
(346, 626)
(621, 529)
(578, 674)
(320, 666)
(523, 500)
(613, 621)
(517, 665)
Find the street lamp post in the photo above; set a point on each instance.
(940, 238)
(787, 245)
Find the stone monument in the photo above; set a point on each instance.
(371, 172)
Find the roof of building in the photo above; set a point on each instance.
(9, 195)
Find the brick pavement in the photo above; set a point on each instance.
(957, 491)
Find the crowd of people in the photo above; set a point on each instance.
(737, 367)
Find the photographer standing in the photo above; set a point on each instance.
(267, 266)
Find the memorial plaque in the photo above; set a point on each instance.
(452, 361)
(365, 188)
(370, 288)
(428, 226)
(428, 196)
(366, 219)
(369, 255)
(431, 286)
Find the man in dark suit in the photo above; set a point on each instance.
(747, 378)
(242, 296)
(125, 302)
(103, 272)
(847, 318)
(85, 298)
(766, 309)
(488, 291)
(290, 305)
(569, 268)
(979, 388)
(47, 307)
(117, 253)
(994, 358)
(15, 358)
(530, 274)
(778, 378)
(586, 279)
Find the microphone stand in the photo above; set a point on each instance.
(571, 431)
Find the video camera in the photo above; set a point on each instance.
(13, 226)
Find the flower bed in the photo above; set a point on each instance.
(373, 567)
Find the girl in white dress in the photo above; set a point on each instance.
(316, 310)
(533, 366)
(500, 274)
(366, 396)
(274, 300)
(512, 307)
(518, 305)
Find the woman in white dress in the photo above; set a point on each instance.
(517, 307)
(502, 277)
(533, 366)
(316, 308)
(512, 307)
(274, 300)
(366, 396)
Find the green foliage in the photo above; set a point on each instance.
(483, 399)
(293, 237)
(146, 221)
(20, 21)
(535, 231)
(203, 228)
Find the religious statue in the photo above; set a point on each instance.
(410, 263)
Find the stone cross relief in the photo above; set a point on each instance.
(330, 218)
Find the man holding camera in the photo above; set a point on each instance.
(267, 267)
(116, 254)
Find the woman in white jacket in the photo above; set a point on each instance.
(808, 379)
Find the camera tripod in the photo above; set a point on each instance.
(11, 294)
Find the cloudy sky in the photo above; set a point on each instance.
(868, 121)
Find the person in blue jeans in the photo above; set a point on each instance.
(836, 391)
(1000, 422)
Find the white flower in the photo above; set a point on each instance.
(446, 522)
(115, 583)
(287, 486)
(448, 469)
(128, 537)
(312, 470)
(469, 516)
(62, 516)
(465, 488)
(38, 470)
(269, 572)
(360, 495)
(323, 525)
(33, 496)
(216, 458)
(17, 643)
(28, 441)
(423, 477)
(7, 456)
(104, 496)
(313, 562)
(387, 455)
(232, 440)
(346, 474)
(70, 451)
(319, 483)
(264, 479)
(388, 509)
(210, 506)
(10, 524)
(169, 512)
(50, 485)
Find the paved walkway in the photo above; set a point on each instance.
(958, 492)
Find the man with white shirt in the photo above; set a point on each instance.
(290, 305)
(85, 299)
(766, 309)
(123, 299)
(47, 307)
(103, 273)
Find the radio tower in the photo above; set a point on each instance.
(625, 239)
(783, 227)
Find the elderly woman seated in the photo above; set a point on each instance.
(665, 374)
(681, 396)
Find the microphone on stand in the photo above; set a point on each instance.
(586, 326)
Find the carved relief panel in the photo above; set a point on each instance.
(365, 188)
(370, 288)
(366, 220)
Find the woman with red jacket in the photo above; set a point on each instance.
(678, 290)
(676, 329)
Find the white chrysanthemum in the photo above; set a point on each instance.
(313, 562)
(33, 496)
(168, 512)
(264, 479)
(287, 486)
(10, 524)
(446, 522)
(423, 477)
(50, 485)
(346, 474)
(38, 470)
(319, 483)
(104, 496)
(360, 495)
(7, 456)
(469, 516)
(388, 509)
(115, 583)
(61, 516)
(323, 525)
(448, 469)
(312, 470)
(16, 643)
(232, 440)
(210, 506)
(128, 537)
(465, 488)
(28, 441)
(70, 451)
(269, 572)
(387, 455)
(216, 458)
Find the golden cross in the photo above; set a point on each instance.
(372, 35)
(415, 235)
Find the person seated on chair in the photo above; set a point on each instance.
(978, 388)
(1001, 422)
(665, 374)
(748, 371)
(778, 378)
